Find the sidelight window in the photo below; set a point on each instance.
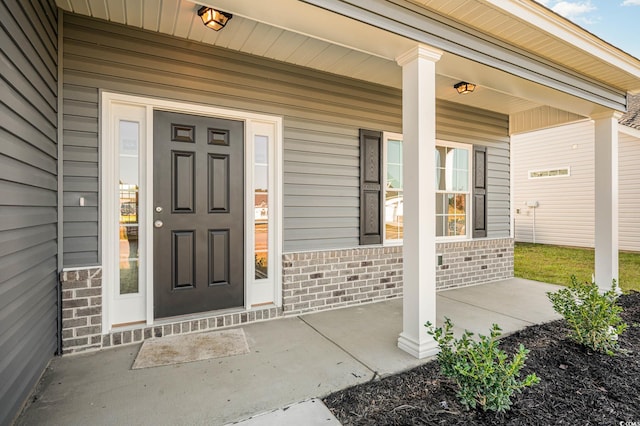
(129, 192)
(261, 206)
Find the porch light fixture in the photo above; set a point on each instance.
(463, 87)
(214, 19)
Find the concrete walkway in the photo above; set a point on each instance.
(291, 360)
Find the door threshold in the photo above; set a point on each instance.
(126, 325)
(192, 317)
(209, 314)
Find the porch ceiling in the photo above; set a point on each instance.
(312, 37)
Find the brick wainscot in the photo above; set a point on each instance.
(312, 281)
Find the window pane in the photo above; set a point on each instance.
(393, 215)
(394, 164)
(460, 180)
(261, 207)
(456, 169)
(394, 151)
(393, 205)
(129, 147)
(461, 159)
(440, 226)
(451, 214)
(451, 202)
(452, 190)
(394, 176)
(441, 155)
(440, 214)
(440, 203)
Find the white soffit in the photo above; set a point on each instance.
(315, 38)
(259, 28)
(536, 29)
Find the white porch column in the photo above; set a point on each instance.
(606, 198)
(419, 252)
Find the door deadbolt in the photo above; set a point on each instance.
(159, 209)
(158, 224)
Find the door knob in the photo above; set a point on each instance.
(158, 224)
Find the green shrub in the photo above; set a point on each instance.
(484, 376)
(594, 318)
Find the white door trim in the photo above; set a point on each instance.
(255, 124)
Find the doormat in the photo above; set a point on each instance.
(172, 350)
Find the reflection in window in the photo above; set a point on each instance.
(549, 173)
(129, 189)
(452, 191)
(261, 206)
(393, 202)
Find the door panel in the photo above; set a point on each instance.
(182, 256)
(218, 257)
(218, 171)
(199, 187)
(183, 182)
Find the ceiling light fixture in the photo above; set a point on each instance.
(214, 19)
(463, 87)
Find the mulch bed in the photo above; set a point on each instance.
(577, 386)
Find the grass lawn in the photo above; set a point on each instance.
(555, 264)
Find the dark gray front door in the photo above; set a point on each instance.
(198, 215)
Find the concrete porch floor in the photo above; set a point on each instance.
(290, 360)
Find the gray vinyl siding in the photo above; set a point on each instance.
(321, 185)
(458, 123)
(321, 112)
(28, 201)
(80, 154)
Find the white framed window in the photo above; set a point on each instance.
(550, 173)
(453, 190)
(264, 162)
(393, 188)
(124, 212)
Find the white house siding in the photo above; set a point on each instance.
(629, 205)
(565, 215)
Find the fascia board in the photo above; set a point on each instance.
(629, 131)
(417, 25)
(563, 29)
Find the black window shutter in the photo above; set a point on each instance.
(370, 187)
(479, 191)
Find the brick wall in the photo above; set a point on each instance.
(474, 262)
(81, 310)
(313, 281)
(82, 317)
